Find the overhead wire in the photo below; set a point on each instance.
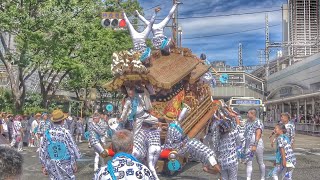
(225, 15)
(214, 35)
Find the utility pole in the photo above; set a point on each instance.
(175, 25)
(267, 45)
(240, 61)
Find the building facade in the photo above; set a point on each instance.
(301, 28)
(296, 89)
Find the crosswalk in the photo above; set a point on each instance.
(269, 156)
(304, 152)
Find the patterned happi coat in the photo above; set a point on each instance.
(176, 140)
(59, 169)
(250, 134)
(125, 169)
(97, 133)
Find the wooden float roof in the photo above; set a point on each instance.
(165, 72)
(198, 72)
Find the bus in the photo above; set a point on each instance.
(243, 104)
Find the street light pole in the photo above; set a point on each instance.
(180, 36)
(174, 25)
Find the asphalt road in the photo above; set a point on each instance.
(307, 150)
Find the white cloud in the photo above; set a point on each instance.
(224, 47)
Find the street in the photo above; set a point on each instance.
(307, 150)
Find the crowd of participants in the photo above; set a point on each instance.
(49, 131)
(24, 130)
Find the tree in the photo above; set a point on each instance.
(5, 101)
(63, 43)
(20, 21)
(79, 48)
(97, 46)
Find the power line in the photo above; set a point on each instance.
(220, 15)
(210, 8)
(152, 7)
(197, 37)
(224, 15)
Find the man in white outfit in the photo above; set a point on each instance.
(253, 144)
(159, 40)
(139, 38)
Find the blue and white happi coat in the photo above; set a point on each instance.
(227, 149)
(96, 136)
(125, 169)
(250, 134)
(44, 125)
(290, 127)
(59, 169)
(279, 171)
(79, 127)
(178, 141)
(282, 142)
(17, 126)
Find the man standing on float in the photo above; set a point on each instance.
(159, 40)
(139, 39)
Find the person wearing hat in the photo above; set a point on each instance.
(17, 133)
(96, 139)
(58, 163)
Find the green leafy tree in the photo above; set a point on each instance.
(63, 45)
(20, 21)
(6, 100)
(97, 46)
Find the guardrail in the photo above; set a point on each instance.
(305, 128)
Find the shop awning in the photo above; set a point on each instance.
(293, 98)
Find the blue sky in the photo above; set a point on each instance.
(224, 47)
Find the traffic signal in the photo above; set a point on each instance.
(113, 23)
(113, 20)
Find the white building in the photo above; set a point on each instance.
(301, 28)
(296, 89)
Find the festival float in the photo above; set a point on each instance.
(179, 85)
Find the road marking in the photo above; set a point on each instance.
(305, 151)
(317, 154)
(302, 149)
(300, 154)
(84, 160)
